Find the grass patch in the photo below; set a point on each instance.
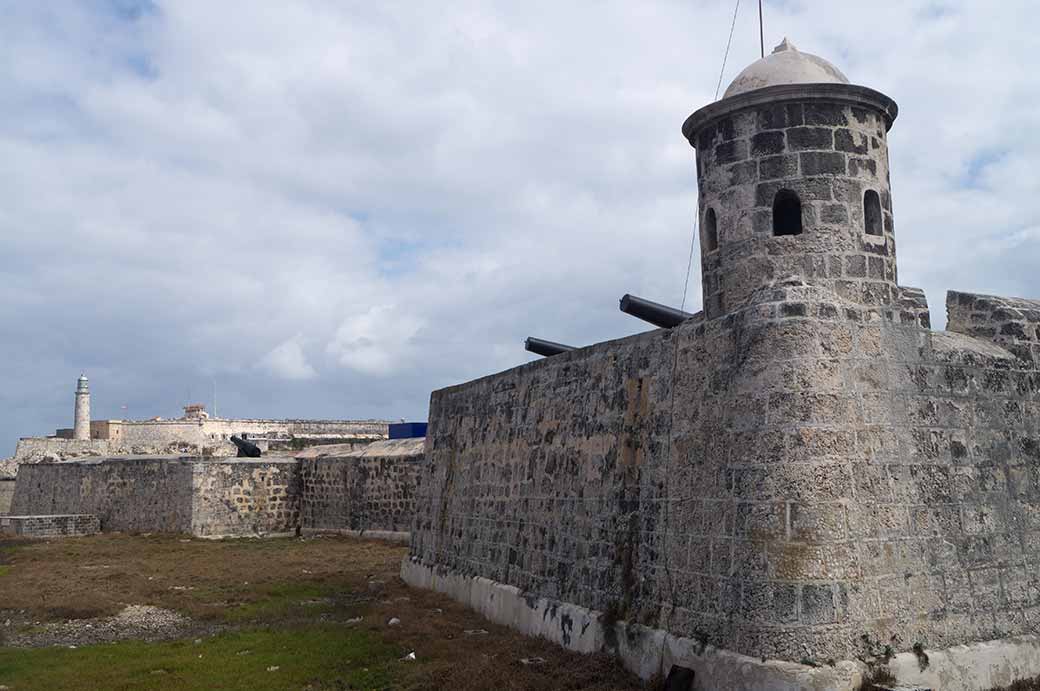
(318, 657)
(282, 601)
(4, 570)
(279, 599)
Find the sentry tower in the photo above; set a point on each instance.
(792, 167)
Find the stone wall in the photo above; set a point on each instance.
(34, 449)
(246, 497)
(370, 491)
(49, 526)
(806, 478)
(140, 495)
(211, 498)
(1011, 322)
(6, 495)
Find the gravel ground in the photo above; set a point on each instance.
(136, 622)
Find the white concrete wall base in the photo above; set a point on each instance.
(387, 535)
(974, 667)
(651, 652)
(250, 536)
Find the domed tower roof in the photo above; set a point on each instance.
(787, 65)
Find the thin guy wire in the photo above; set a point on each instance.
(725, 57)
(675, 334)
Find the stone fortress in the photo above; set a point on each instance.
(798, 480)
(353, 476)
(798, 486)
(194, 434)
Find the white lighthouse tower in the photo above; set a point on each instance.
(81, 427)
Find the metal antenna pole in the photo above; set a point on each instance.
(761, 32)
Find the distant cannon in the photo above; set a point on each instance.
(545, 348)
(246, 449)
(659, 315)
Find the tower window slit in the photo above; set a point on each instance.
(787, 213)
(873, 223)
(711, 231)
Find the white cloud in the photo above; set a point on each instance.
(288, 361)
(380, 341)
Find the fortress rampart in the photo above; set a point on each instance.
(213, 498)
(815, 481)
(199, 436)
(370, 491)
(804, 479)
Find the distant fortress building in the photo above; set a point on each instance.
(195, 433)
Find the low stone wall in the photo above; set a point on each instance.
(6, 495)
(367, 492)
(35, 449)
(133, 495)
(50, 526)
(210, 498)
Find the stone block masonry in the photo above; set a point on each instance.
(829, 154)
(370, 492)
(6, 495)
(142, 495)
(50, 526)
(197, 436)
(256, 497)
(809, 473)
(133, 495)
(1013, 323)
(818, 480)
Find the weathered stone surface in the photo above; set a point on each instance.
(6, 495)
(830, 185)
(733, 509)
(205, 498)
(192, 437)
(49, 526)
(808, 473)
(364, 491)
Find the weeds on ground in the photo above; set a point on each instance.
(294, 597)
(316, 658)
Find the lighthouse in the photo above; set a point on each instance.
(81, 427)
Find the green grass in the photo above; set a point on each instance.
(4, 570)
(318, 657)
(281, 601)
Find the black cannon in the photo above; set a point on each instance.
(246, 449)
(657, 314)
(545, 348)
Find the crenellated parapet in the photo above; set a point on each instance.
(1013, 323)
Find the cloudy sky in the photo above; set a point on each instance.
(328, 209)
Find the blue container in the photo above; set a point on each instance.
(407, 430)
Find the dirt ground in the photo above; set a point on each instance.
(76, 592)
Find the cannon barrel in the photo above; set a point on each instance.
(545, 348)
(659, 315)
(246, 449)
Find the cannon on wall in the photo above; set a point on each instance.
(246, 449)
(657, 314)
(545, 348)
